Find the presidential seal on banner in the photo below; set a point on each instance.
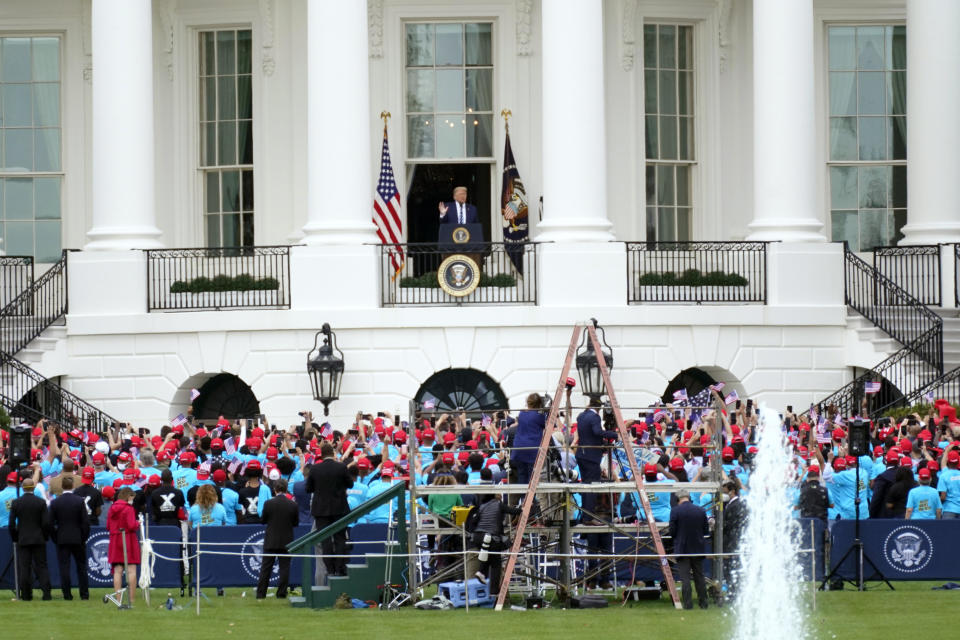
(458, 275)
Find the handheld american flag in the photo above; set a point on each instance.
(871, 387)
(179, 421)
(680, 395)
(386, 208)
(194, 394)
(928, 396)
(717, 387)
(731, 397)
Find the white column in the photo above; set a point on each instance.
(784, 130)
(574, 155)
(123, 173)
(933, 124)
(339, 169)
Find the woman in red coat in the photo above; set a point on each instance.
(122, 516)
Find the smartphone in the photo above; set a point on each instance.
(381, 414)
(789, 408)
(738, 405)
(503, 424)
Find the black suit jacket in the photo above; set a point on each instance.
(68, 516)
(469, 213)
(281, 516)
(328, 482)
(29, 520)
(590, 436)
(688, 526)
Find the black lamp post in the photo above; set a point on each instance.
(325, 368)
(591, 380)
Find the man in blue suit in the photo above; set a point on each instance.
(590, 437)
(688, 528)
(458, 211)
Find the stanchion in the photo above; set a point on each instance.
(197, 568)
(813, 565)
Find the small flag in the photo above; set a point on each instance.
(928, 396)
(486, 420)
(731, 397)
(838, 420)
(428, 405)
(194, 394)
(229, 446)
(234, 465)
(386, 208)
(680, 395)
(717, 387)
(660, 414)
(871, 387)
(374, 439)
(205, 466)
(326, 430)
(513, 202)
(179, 421)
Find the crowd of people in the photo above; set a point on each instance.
(226, 473)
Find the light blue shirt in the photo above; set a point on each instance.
(215, 517)
(843, 489)
(230, 499)
(7, 496)
(925, 501)
(949, 483)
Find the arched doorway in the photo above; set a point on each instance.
(225, 395)
(466, 390)
(694, 380)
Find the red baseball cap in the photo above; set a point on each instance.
(676, 464)
(201, 432)
(953, 456)
(906, 462)
(704, 440)
(219, 476)
(188, 457)
(449, 437)
(925, 436)
(399, 436)
(156, 441)
(87, 475)
(650, 469)
(153, 481)
(216, 442)
(163, 456)
(471, 444)
(893, 455)
(37, 432)
(124, 457)
(813, 470)
(932, 465)
(491, 462)
(924, 473)
(428, 433)
(728, 453)
(99, 458)
(117, 483)
(364, 463)
(178, 429)
(253, 442)
(203, 474)
(254, 464)
(109, 492)
(386, 469)
(273, 454)
(463, 456)
(839, 434)
(257, 432)
(12, 477)
(130, 472)
(448, 457)
(839, 464)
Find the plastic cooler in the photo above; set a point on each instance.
(479, 593)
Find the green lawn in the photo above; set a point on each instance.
(841, 615)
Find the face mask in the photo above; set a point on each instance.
(726, 497)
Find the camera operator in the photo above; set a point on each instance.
(590, 450)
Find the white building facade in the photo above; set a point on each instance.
(135, 125)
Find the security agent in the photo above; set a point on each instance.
(29, 530)
(814, 498)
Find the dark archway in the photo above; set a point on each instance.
(225, 395)
(694, 380)
(888, 396)
(452, 389)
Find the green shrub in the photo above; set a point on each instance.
(499, 280)
(4, 419)
(180, 287)
(242, 282)
(692, 278)
(899, 413)
(268, 284)
(429, 281)
(201, 284)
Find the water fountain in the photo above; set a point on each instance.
(769, 602)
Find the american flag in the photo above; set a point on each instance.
(230, 446)
(386, 208)
(717, 387)
(429, 404)
(680, 395)
(928, 396)
(326, 430)
(194, 394)
(731, 397)
(179, 421)
(871, 387)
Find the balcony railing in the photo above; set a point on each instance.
(16, 275)
(218, 278)
(915, 269)
(500, 282)
(697, 272)
(42, 303)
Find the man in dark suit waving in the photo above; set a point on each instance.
(29, 530)
(281, 516)
(688, 527)
(71, 528)
(328, 482)
(458, 211)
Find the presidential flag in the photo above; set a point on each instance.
(513, 208)
(386, 209)
(871, 387)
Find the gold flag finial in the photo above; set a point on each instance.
(385, 115)
(506, 113)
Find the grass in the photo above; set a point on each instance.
(843, 615)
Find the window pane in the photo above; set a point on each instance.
(843, 187)
(420, 136)
(19, 201)
(244, 98)
(480, 89)
(226, 98)
(683, 185)
(449, 44)
(420, 90)
(244, 51)
(873, 138)
(898, 187)
(478, 44)
(46, 59)
(668, 43)
(208, 141)
(685, 92)
(668, 137)
(19, 238)
(651, 182)
(213, 192)
(685, 47)
(668, 92)
(874, 187)
(17, 108)
(683, 223)
(845, 227)
(247, 190)
(246, 231)
(897, 138)
(872, 92)
(245, 140)
(18, 149)
(685, 151)
(843, 93)
(48, 241)
(666, 224)
(650, 46)
(896, 47)
(207, 54)
(226, 55)
(479, 135)
(898, 220)
(231, 230)
(227, 143)
(450, 139)
(450, 90)
(873, 228)
(419, 45)
(650, 91)
(666, 194)
(213, 231)
(230, 183)
(46, 105)
(15, 57)
(651, 223)
(842, 43)
(47, 144)
(1, 204)
(870, 48)
(651, 137)
(897, 92)
(47, 198)
(208, 97)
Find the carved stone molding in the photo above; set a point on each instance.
(86, 22)
(524, 27)
(268, 16)
(167, 11)
(723, 32)
(375, 28)
(628, 33)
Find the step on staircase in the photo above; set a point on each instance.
(363, 581)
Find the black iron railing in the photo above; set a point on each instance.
(28, 395)
(500, 281)
(946, 386)
(218, 278)
(16, 275)
(34, 309)
(915, 269)
(956, 272)
(697, 272)
(894, 310)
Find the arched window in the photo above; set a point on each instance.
(225, 395)
(694, 380)
(461, 389)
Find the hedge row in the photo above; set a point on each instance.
(242, 282)
(693, 278)
(429, 281)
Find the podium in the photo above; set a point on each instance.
(461, 238)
